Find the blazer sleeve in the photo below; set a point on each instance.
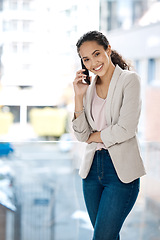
(81, 128)
(126, 126)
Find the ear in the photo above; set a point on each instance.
(109, 50)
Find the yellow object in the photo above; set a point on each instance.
(6, 119)
(48, 121)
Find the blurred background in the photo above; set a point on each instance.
(40, 190)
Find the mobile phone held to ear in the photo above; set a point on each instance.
(86, 72)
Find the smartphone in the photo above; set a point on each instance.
(86, 72)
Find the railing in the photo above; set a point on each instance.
(49, 202)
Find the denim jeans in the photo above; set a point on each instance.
(108, 200)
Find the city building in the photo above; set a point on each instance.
(37, 50)
(135, 34)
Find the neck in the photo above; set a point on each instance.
(107, 77)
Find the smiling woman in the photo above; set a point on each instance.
(106, 118)
(101, 40)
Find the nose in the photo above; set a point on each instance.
(93, 63)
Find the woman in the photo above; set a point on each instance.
(106, 118)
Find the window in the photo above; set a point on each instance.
(14, 47)
(5, 26)
(26, 47)
(27, 25)
(26, 67)
(14, 25)
(112, 15)
(1, 5)
(137, 66)
(138, 9)
(151, 70)
(13, 4)
(11, 25)
(26, 4)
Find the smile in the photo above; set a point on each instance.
(98, 68)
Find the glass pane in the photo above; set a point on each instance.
(41, 194)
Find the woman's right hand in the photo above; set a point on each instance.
(80, 87)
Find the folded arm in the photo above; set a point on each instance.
(81, 127)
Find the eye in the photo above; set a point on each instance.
(86, 60)
(97, 54)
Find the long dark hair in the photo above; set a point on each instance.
(103, 41)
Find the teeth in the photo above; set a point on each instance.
(98, 68)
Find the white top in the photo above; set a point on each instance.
(98, 113)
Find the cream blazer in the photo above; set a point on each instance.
(123, 108)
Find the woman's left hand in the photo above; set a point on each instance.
(94, 137)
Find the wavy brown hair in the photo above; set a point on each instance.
(103, 41)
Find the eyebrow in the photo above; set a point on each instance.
(92, 53)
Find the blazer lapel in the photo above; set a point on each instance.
(89, 98)
(111, 89)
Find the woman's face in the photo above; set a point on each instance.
(95, 57)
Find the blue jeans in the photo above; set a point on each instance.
(108, 200)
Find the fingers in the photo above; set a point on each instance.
(80, 71)
(80, 76)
